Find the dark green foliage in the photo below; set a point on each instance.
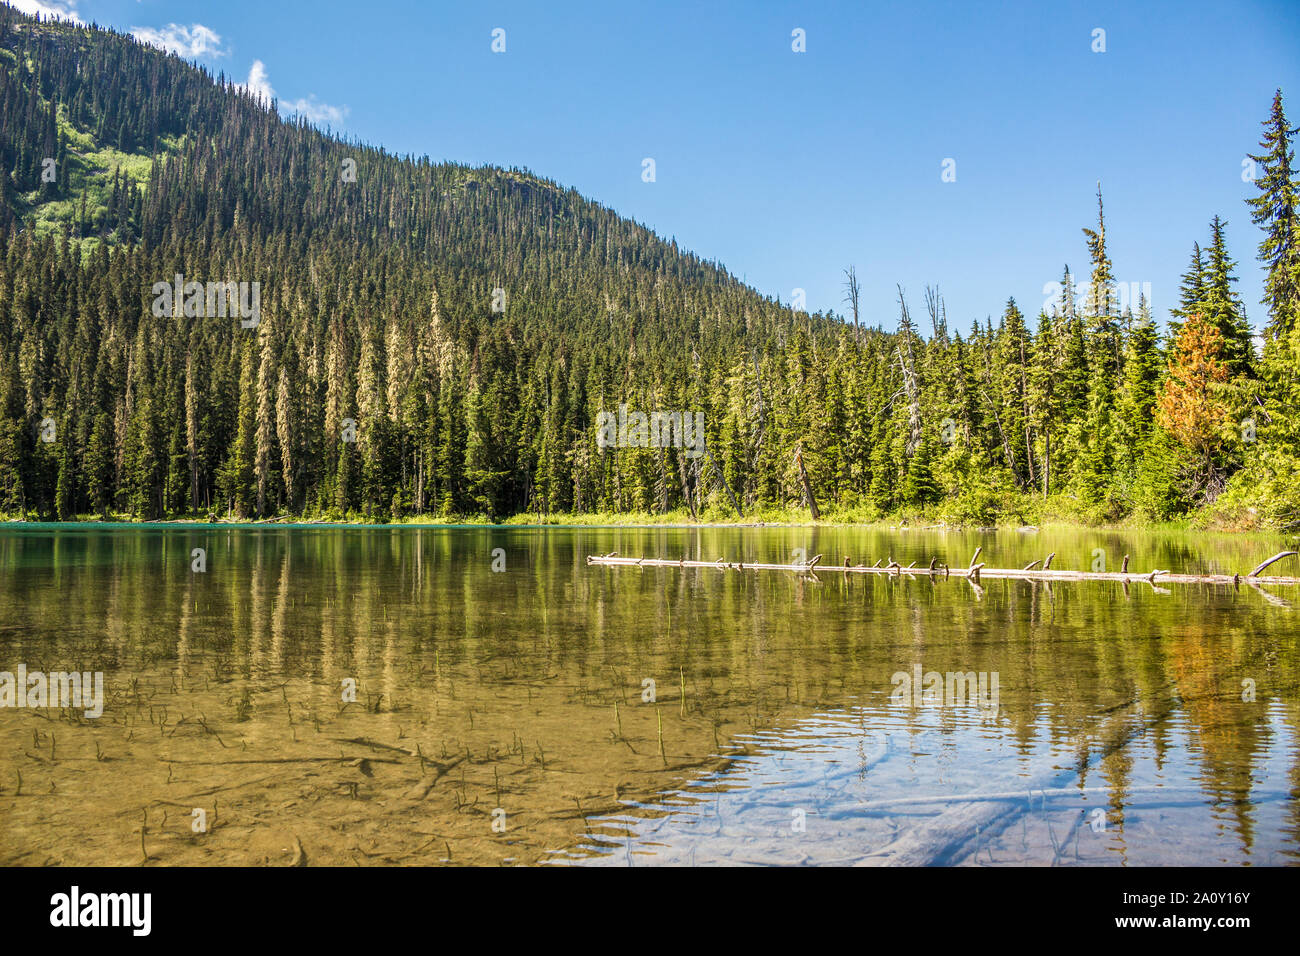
(1275, 211)
(1222, 307)
(388, 378)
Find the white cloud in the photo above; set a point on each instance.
(195, 40)
(62, 9)
(259, 84)
(317, 112)
(198, 41)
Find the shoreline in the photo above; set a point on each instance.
(635, 522)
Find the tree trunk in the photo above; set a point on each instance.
(807, 488)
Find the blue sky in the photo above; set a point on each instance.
(787, 167)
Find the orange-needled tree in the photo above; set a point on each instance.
(1194, 406)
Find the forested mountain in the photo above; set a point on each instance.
(432, 339)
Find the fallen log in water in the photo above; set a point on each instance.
(973, 572)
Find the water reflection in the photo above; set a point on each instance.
(871, 786)
(525, 690)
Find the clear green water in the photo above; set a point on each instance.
(504, 716)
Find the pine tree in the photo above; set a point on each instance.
(13, 450)
(1222, 307)
(1274, 473)
(1044, 396)
(237, 476)
(98, 466)
(1142, 372)
(264, 459)
(373, 432)
(1191, 406)
(1100, 310)
(919, 487)
(1275, 211)
(1192, 291)
(1011, 386)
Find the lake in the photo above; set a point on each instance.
(369, 696)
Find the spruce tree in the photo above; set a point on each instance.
(1222, 307)
(1100, 311)
(1142, 373)
(1275, 211)
(1192, 291)
(1011, 385)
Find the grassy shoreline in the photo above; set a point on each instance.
(668, 520)
(975, 512)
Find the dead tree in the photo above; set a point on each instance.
(852, 294)
(907, 364)
(938, 313)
